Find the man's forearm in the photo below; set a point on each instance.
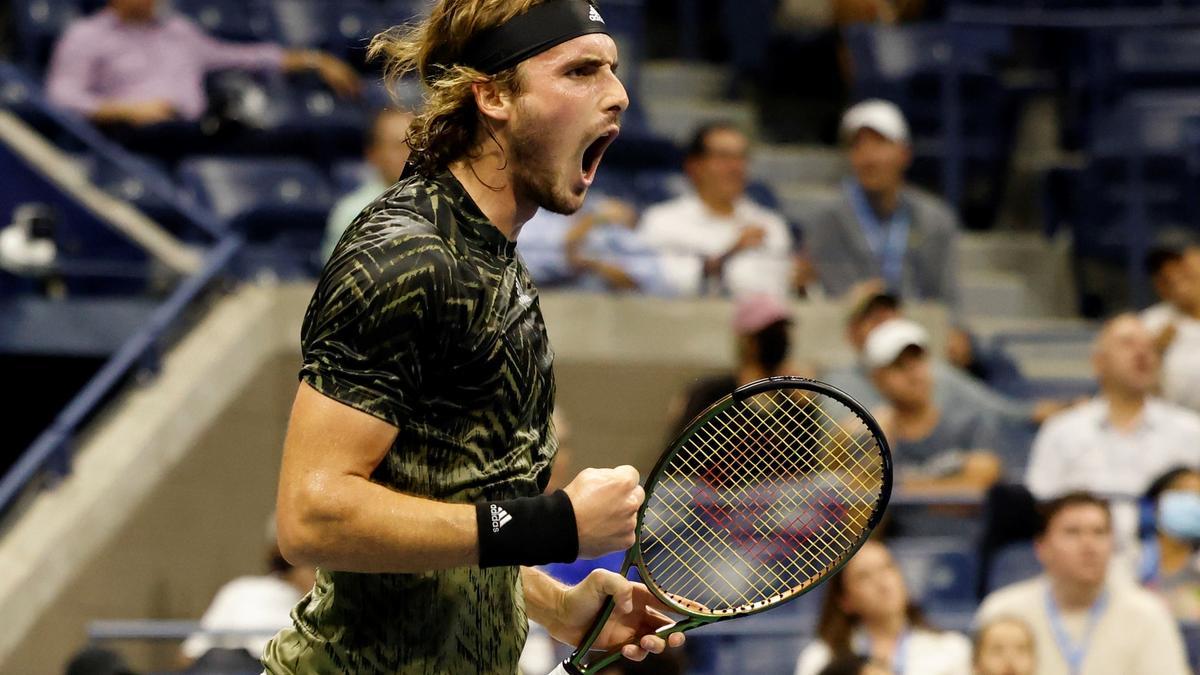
(351, 524)
(543, 597)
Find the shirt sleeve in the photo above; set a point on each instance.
(813, 658)
(221, 55)
(1041, 475)
(68, 80)
(372, 325)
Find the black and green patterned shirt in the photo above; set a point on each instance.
(425, 318)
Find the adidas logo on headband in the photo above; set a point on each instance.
(594, 15)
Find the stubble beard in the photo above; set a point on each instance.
(534, 178)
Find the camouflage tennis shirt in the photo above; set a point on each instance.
(425, 318)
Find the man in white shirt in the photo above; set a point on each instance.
(714, 238)
(1119, 442)
(1084, 623)
(1174, 265)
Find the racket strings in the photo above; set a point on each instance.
(762, 501)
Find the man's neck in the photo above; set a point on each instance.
(916, 420)
(1071, 596)
(1124, 407)
(884, 202)
(489, 182)
(720, 207)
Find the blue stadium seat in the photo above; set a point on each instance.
(940, 571)
(278, 200)
(348, 175)
(1013, 563)
(38, 25)
(344, 28)
(241, 20)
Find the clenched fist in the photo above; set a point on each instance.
(606, 502)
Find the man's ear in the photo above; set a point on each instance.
(492, 103)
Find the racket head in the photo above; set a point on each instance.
(765, 495)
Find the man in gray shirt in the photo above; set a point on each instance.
(879, 227)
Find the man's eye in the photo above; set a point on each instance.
(582, 71)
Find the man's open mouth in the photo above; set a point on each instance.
(595, 152)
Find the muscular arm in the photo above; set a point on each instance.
(332, 515)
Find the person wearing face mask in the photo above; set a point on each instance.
(1168, 563)
(867, 613)
(762, 325)
(1004, 646)
(1086, 621)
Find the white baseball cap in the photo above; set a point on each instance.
(890, 339)
(883, 117)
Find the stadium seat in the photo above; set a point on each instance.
(38, 24)
(348, 175)
(241, 20)
(1012, 563)
(269, 199)
(344, 28)
(939, 570)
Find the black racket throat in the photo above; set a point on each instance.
(761, 498)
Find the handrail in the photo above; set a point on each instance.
(156, 183)
(51, 448)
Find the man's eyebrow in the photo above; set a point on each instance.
(591, 61)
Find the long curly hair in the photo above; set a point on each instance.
(448, 125)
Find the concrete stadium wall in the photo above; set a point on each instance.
(182, 510)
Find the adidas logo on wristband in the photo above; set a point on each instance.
(500, 518)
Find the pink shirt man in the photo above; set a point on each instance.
(104, 59)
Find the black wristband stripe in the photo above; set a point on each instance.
(527, 531)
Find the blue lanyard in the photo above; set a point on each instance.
(1072, 652)
(888, 244)
(1148, 572)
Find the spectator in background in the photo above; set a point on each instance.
(1174, 265)
(866, 612)
(762, 326)
(251, 603)
(1168, 564)
(854, 665)
(1119, 442)
(1082, 623)
(597, 249)
(880, 228)
(715, 238)
(136, 65)
(873, 306)
(936, 448)
(876, 11)
(1004, 646)
(386, 152)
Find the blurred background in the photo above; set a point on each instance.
(938, 205)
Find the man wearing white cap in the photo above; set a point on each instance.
(935, 448)
(880, 228)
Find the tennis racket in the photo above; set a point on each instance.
(764, 496)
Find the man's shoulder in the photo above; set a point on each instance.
(1018, 599)
(91, 26)
(1084, 415)
(1176, 415)
(672, 209)
(930, 210)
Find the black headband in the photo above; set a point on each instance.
(543, 27)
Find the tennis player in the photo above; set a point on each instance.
(420, 438)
